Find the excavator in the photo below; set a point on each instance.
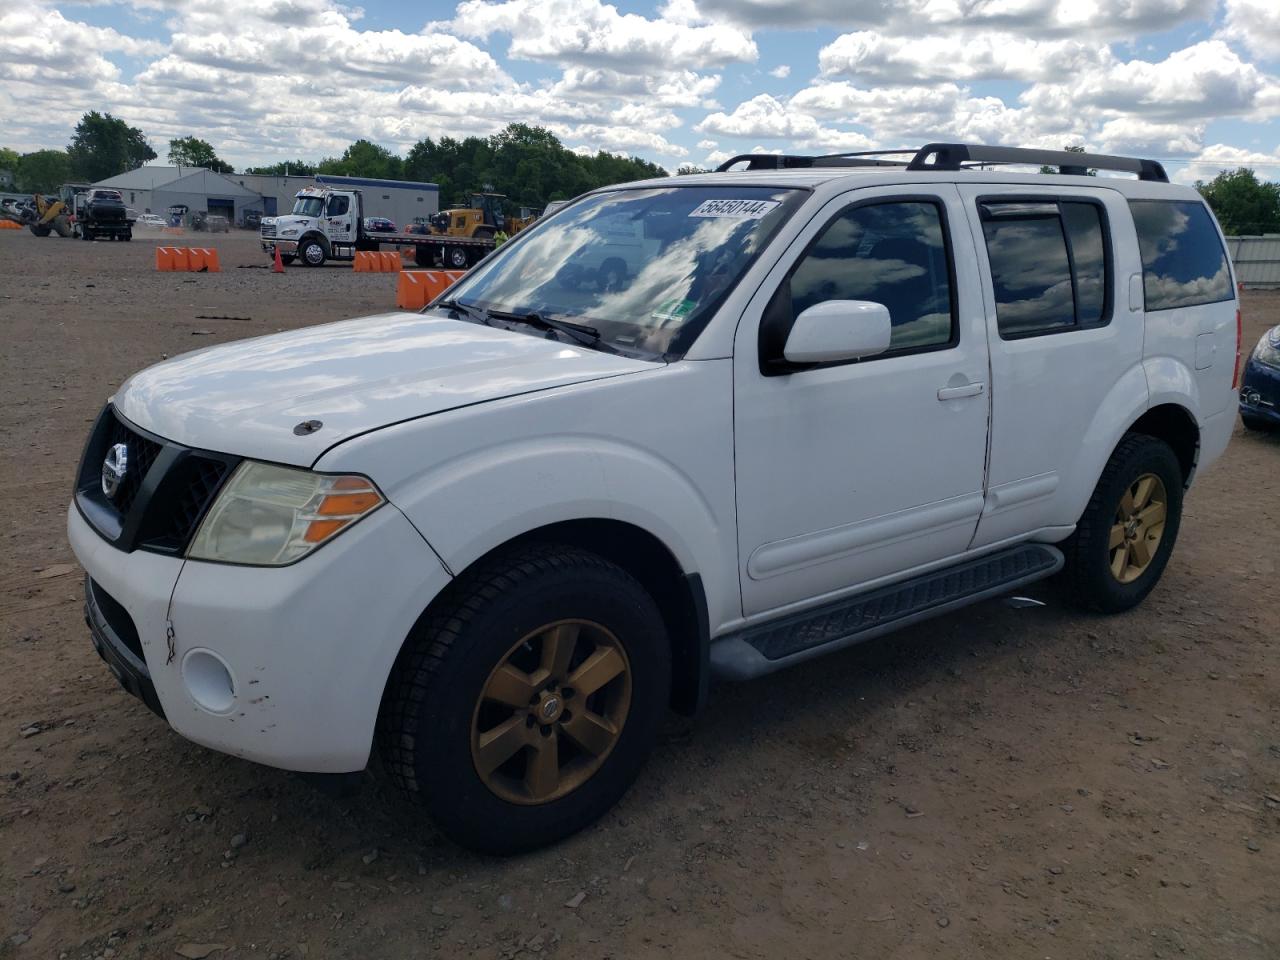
(42, 215)
(483, 219)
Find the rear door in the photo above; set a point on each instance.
(1065, 344)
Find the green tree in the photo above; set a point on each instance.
(104, 146)
(194, 152)
(364, 159)
(689, 168)
(9, 160)
(1242, 203)
(286, 168)
(43, 171)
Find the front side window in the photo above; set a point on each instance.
(338, 206)
(1183, 263)
(1050, 267)
(646, 268)
(892, 253)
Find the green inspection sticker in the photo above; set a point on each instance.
(674, 309)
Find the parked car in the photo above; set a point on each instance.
(1260, 389)
(151, 220)
(498, 539)
(379, 225)
(252, 220)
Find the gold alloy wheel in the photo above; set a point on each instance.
(551, 712)
(1138, 528)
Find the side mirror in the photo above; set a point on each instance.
(839, 330)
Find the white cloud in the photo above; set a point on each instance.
(781, 72)
(591, 33)
(1256, 24)
(955, 56)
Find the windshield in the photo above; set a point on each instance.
(645, 267)
(308, 206)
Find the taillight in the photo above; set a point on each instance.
(1235, 376)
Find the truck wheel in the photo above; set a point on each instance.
(455, 258)
(128, 235)
(40, 230)
(1123, 541)
(312, 253)
(526, 702)
(86, 234)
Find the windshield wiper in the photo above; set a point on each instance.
(469, 310)
(578, 331)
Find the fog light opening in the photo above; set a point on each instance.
(209, 681)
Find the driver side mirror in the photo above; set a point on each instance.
(838, 330)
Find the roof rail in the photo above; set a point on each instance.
(953, 156)
(779, 161)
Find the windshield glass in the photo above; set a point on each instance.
(645, 267)
(308, 206)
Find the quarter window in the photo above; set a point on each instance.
(893, 253)
(1049, 265)
(1183, 263)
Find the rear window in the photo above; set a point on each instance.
(1183, 263)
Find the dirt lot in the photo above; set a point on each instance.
(999, 783)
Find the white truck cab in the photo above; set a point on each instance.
(323, 224)
(796, 406)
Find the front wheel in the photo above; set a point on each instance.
(311, 253)
(526, 702)
(455, 258)
(1124, 538)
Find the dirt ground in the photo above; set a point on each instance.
(995, 784)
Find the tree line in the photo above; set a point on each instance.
(527, 163)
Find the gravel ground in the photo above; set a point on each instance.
(997, 783)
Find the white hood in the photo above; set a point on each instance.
(246, 398)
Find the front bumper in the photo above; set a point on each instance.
(285, 666)
(286, 246)
(1260, 392)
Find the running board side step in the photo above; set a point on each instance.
(767, 647)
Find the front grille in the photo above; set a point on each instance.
(268, 230)
(164, 494)
(142, 455)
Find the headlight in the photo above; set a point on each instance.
(270, 516)
(288, 232)
(1268, 350)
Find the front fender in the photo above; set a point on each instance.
(651, 450)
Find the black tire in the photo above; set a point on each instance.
(455, 258)
(128, 235)
(425, 730)
(1089, 577)
(311, 253)
(1257, 423)
(40, 230)
(86, 234)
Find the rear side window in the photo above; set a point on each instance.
(1050, 265)
(1183, 263)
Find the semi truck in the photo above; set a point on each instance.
(328, 224)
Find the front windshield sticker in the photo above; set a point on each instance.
(738, 209)
(674, 309)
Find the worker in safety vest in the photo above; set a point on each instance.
(500, 238)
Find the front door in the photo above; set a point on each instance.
(340, 218)
(857, 472)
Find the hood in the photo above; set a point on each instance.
(246, 398)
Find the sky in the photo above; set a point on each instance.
(1192, 82)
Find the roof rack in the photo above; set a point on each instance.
(960, 156)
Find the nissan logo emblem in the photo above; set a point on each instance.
(114, 469)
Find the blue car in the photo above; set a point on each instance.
(1260, 390)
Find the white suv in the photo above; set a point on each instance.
(825, 397)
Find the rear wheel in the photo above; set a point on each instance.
(1123, 541)
(86, 233)
(40, 230)
(525, 705)
(455, 258)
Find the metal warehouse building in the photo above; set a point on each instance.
(153, 189)
(1257, 260)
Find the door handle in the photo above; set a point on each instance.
(964, 390)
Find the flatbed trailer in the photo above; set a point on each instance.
(328, 224)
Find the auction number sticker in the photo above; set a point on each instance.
(736, 209)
